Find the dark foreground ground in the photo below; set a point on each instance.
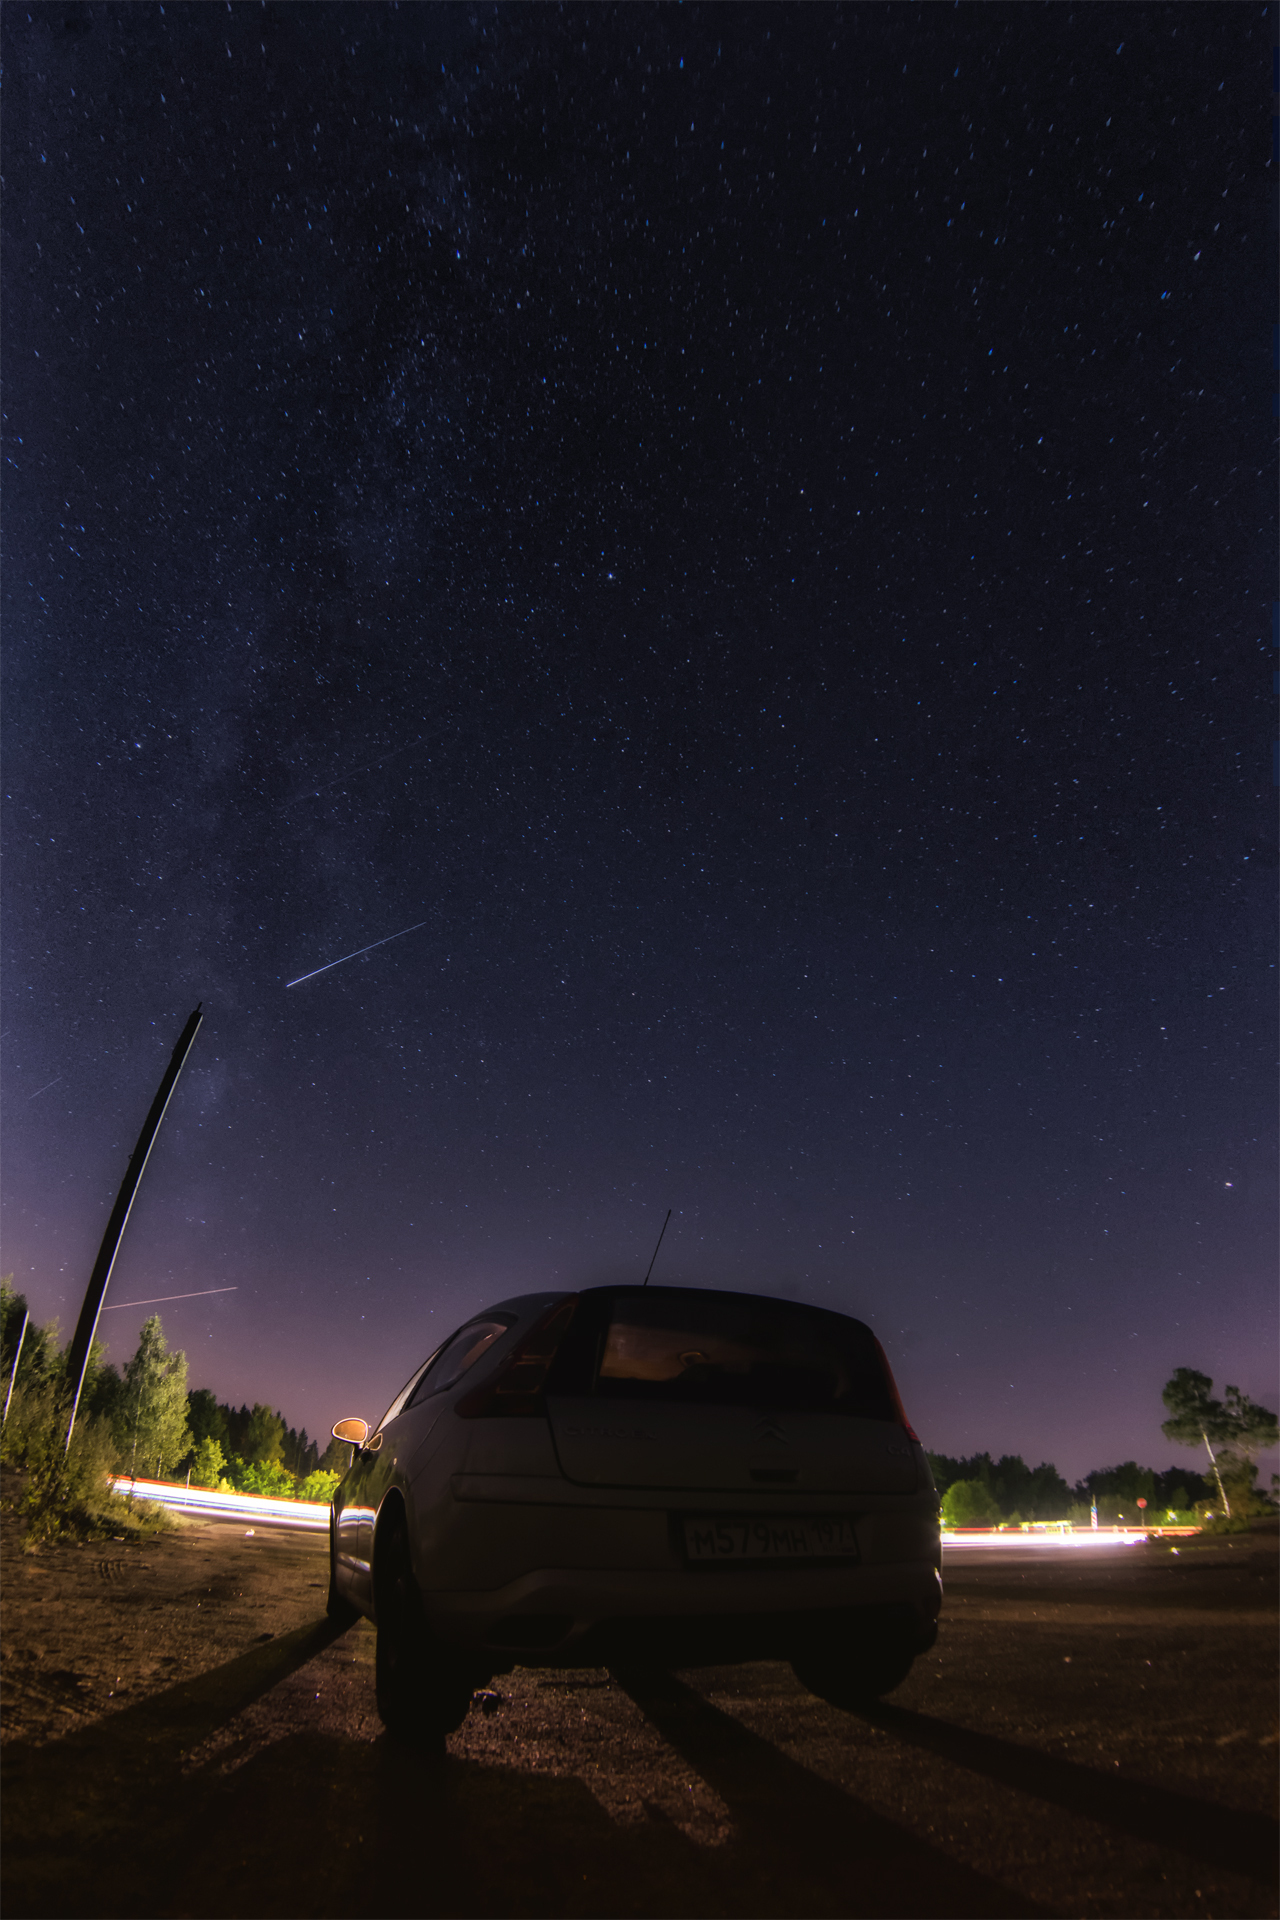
(186, 1734)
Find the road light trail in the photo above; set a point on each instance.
(353, 956)
(1055, 1541)
(257, 1508)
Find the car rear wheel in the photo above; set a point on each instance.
(337, 1606)
(853, 1665)
(423, 1688)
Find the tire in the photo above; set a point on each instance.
(423, 1688)
(337, 1606)
(857, 1665)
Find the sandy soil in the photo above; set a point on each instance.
(185, 1734)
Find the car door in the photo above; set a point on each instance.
(359, 1494)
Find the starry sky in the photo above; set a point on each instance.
(750, 529)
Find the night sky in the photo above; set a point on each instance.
(756, 527)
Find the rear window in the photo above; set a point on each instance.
(721, 1349)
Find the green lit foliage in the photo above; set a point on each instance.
(63, 1489)
(262, 1476)
(970, 1503)
(319, 1486)
(150, 1420)
(208, 1463)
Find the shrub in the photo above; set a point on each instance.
(265, 1477)
(970, 1504)
(319, 1486)
(67, 1489)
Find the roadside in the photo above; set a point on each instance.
(186, 1734)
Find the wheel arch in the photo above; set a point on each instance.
(393, 1513)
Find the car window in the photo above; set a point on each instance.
(403, 1398)
(695, 1347)
(456, 1357)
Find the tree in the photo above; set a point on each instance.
(969, 1503)
(263, 1442)
(1039, 1493)
(337, 1457)
(1235, 1422)
(1194, 1416)
(39, 1357)
(1127, 1484)
(206, 1419)
(151, 1417)
(1252, 1429)
(206, 1468)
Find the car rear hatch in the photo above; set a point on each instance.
(676, 1388)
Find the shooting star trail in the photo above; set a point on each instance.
(313, 793)
(44, 1089)
(119, 1306)
(353, 956)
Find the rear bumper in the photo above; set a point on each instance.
(556, 1615)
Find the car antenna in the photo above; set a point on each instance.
(645, 1281)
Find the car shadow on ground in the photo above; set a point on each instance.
(125, 1817)
(799, 1828)
(112, 1819)
(1240, 1842)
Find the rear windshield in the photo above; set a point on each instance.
(727, 1349)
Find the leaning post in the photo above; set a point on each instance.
(87, 1324)
(13, 1377)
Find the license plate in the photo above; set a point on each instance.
(742, 1537)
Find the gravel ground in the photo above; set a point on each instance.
(185, 1734)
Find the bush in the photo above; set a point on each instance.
(262, 1476)
(319, 1486)
(970, 1504)
(67, 1489)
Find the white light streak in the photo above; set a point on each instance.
(1024, 1542)
(216, 1505)
(119, 1306)
(353, 956)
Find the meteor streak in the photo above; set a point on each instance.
(203, 1294)
(353, 956)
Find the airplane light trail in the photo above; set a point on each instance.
(353, 956)
(119, 1306)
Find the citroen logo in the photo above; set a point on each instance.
(772, 1429)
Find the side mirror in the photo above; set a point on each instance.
(354, 1432)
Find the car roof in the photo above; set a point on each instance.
(528, 1305)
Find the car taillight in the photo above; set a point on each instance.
(517, 1385)
(895, 1396)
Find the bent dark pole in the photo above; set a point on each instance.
(645, 1281)
(87, 1324)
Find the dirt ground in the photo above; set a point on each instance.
(185, 1734)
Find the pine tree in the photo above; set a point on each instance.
(151, 1413)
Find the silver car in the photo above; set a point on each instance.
(638, 1474)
